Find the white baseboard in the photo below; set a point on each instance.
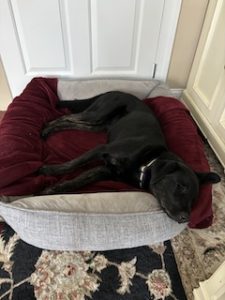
(177, 92)
(212, 288)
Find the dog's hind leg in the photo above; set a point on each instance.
(67, 167)
(73, 121)
(90, 176)
(103, 109)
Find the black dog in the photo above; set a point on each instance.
(135, 153)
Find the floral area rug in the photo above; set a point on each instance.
(27, 273)
(200, 252)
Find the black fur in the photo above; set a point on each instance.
(134, 140)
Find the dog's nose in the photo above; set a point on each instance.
(183, 217)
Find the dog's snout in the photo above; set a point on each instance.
(183, 217)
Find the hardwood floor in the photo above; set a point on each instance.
(1, 115)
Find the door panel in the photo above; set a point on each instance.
(209, 77)
(84, 38)
(125, 36)
(112, 43)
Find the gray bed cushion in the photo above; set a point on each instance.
(95, 221)
(83, 89)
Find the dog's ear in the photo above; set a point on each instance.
(209, 177)
(161, 169)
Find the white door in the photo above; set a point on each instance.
(205, 93)
(86, 38)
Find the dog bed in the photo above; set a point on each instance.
(104, 215)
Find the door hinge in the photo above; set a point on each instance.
(154, 70)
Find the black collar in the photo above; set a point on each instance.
(143, 169)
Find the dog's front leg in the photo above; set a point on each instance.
(90, 176)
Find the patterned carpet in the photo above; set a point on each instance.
(27, 273)
(200, 252)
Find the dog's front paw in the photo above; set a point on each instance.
(54, 170)
(48, 129)
(46, 170)
(45, 132)
(51, 190)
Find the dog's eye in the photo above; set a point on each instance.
(181, 188)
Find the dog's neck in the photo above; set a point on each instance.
(145, 169)
(143, 173)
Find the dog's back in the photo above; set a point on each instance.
(123, 115)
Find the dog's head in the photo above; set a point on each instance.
(176, 187)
